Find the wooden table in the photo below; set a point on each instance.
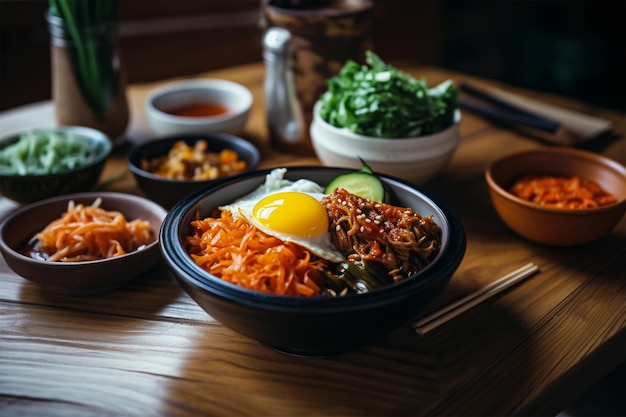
(149, 350)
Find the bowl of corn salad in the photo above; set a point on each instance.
(168, 169)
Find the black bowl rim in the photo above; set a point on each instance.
(183, 267)
(6, 221)
(93, 135)
(132, 159)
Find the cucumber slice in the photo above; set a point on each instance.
(363, 183)
(359, 183)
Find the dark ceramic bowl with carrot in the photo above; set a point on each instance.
(321, 319)
(558, 196)
(198, 106)
(75, 260)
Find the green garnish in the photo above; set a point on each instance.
(363, 183)
(382, 101)
(359, 277)
(87, 23)
(45, 152)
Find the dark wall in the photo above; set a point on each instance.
(572, 48)
(158, 39)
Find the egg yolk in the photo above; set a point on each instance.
(292, 213)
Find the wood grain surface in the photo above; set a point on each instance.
(149, 350)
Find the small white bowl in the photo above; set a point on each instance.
(235, 97)
(416, 159)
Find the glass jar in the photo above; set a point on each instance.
(88, 84)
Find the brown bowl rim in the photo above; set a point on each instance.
(605, 161)
(19, 212)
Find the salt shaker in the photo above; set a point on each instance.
(285, 117)
(306, 43)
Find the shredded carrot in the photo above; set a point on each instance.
(86, 233)
(238, 252)
(561, 192)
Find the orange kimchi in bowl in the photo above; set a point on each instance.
(558, 196)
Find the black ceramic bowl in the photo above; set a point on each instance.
(29, 188)
(318, 326)
(167, 191)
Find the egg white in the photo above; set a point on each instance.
(275, 182)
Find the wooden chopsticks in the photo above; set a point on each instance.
(500, 110)
(446, 314)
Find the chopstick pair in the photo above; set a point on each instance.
(499, 110)
(446, 314)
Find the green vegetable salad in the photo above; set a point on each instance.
(382, 101)
(45, 152)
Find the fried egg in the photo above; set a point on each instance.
(289, 211)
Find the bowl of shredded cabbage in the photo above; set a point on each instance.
(301, 260)
(40, 163)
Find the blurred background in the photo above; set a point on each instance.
(571, 48)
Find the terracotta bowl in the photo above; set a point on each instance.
(557, 226)
(78, 278)
(310, 326)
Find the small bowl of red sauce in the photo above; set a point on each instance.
(558, 196)
(199, 106)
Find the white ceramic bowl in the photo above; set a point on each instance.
(235, 97)
(415, 159)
